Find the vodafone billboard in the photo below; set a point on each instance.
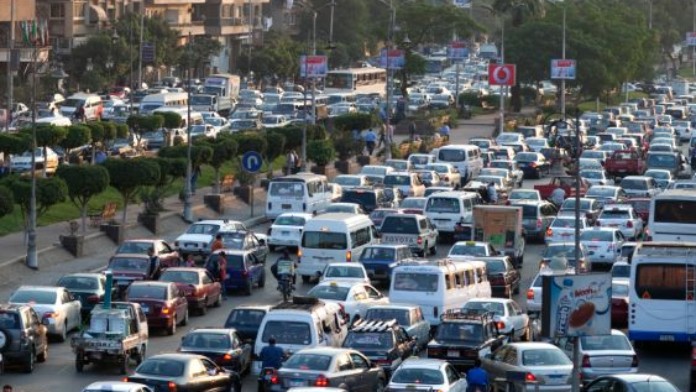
(502, 75)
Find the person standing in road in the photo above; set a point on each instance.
(492, 193)
(154, 264)
(445, 131)
(217, 244)
(370, 141)
(290, 161)
(222, 273)
(412, 129)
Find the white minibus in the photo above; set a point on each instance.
(465, 157)
(155, 101)
(446, 209)
(301, 192)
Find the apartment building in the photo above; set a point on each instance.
(12, 13)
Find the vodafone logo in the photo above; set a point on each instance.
(501, 74)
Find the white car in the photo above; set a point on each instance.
(203, 130)
(345, 272)
(511, 167)
(349, 181)
(349, 208)
(421, 374)
(603, 355)
(286, 230)
(536, 144)
(683, 129)
(55, 304)
(509, 137)
(508, 315)
(523, 194)
(449, 175)
(562, 229)
(594, 176)
(200, 235)
(420, 161)
(603, 244)
(621, 272)
(623, 217)
(407, 182)
(470, 250)
(274, 121)
(22, 163)
(354, 297)
(663, 178)
(116, 386)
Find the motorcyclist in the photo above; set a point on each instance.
(477, 378)
(286, 269)
(271, 356)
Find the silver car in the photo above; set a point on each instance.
(543, 363)
(602, 355)
(54, 304)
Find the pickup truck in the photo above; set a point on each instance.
(623, 163)
(565, 182)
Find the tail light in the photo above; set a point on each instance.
(166, 310)
(227, 357)
(447, 178)
(549, 232)
(171, 387)
(93, 299)
(321, 381)
(419, 241)
(530, 377)
(530, 294)
(634, 362)
(349, 256)
(435, 311)
(299, 255)
(50, 315)
(124, 379)
(586, 361)
(500, 325)
(539, 224)
(304, 206)
(629, 224)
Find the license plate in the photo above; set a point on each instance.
(666, 338)
(191, 245)
(556, 379)
(285, 232)
(286, 206)
(565, 234)
(146, 308)
(453, 353)
(296, 383)
(370, 272)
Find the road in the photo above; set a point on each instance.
(58, 373)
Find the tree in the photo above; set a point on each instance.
(171, 120)
(129, 175)
(196, 53)
(321, 152)
(250, 141)
(101, 131)
(83, 183)
(351, 121)
(48, 135)
(275, 147)
(200, 153)
(49, 191)
(12, 144)
(76, 136)
(279, 57)
(519, 9)
(6, 201)
(223, 151)
(140, 124)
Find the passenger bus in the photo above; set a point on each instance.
(301, 192)
(662, 307)
(673, 216)
(436, 65)
(357, 80)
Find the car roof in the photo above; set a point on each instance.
(339, 283)
(130, 255)
(213, 330)
(113, 386)
(469, 243)
(636, 377)
(387, 246)
(345, 264)
(154, 283)
(233, 252)
(40, 288)
(325, 350)
(186, 269)
(492, 299)
(394, 306)
(426, 363)
(532, 345)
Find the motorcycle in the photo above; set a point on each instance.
(286, 286)
(267, 378)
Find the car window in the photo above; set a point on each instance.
(197, 368)
(372, 293)
(358, 361)
(343, 363)
(452, 375)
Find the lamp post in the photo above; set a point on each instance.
(109, 64)
(387, 117)
(188, 213)
(563, 56)
(32, 259)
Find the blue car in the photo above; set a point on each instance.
(244, 270)
(89, 288)
(379, 260)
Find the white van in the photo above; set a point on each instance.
(446, 209)
(92, 103)
(155, 101)
(303, 323)
(301, 192)
(331, 238)
(437, 285)
(465, 157)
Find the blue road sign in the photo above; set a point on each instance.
(252, 161)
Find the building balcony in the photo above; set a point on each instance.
(226, 26)
(195, 28)
(26, 54)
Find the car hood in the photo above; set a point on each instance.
(195, 237)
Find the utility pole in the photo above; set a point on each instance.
(693, 48)
(563, 55)
(140, 55)
(10, 79)
(390, 38)
(32, 259)
(188, 213)
(502, 61)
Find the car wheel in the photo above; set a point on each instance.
(63, 333)
(204, 308)
(185, 320)
(305, 279)
(124, 364)
(218, 301)
(262, 281)
(433, 250)
(79, 363)
(172, 329)
(247, 289)
(271, 248)
(31, 361)
(381, 385)
(43, 355)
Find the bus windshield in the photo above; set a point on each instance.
(287, 189)
(675, 211)
(406, 281)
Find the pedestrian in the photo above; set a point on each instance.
(298, 164)
(558, 197)
(217, 243)
(222, 272)
(492, 193)
(445, 131)
(370, 140)
(290, 162)
(190, 261)
(412, 129)
(154, 263)
(382, 137)
(99, 157)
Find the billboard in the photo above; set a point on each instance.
(396, 59)
(576, 305)
(457, 50)
(563, 69)
(691, 38)
(502, 74)
(462, 3)
(313, 66)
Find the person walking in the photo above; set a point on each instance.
(194, 178)
(412, 129)
(492, 193)
(382, 137)
(190, 261)
(445, 131)
(217, 244)
(290, 161)
(370, 141)
(477, 378)
(222, 272)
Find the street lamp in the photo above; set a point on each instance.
(109, 64)
(89, 67)
(188, 213)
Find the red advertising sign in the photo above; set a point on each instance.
(502, 75)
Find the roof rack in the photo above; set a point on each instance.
(466, 314)
(417, 261)
(374, 325)
(299, 303)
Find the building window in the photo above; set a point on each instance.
(79, 9)
(57, 10)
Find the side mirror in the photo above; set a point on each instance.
(262, 241)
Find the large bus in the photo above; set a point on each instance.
(673, 216)
(435, 65)
(662, 303)
(368, 80)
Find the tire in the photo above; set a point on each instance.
(433, 250)
(124, 364)
(305, 279)
(79, 363)
(262, 281)
(5, 337)
(43, 355)
(218, 300)
(31, 361)
(272, 248)
(247, 289)
(381, 385)
(64, 333)
(185, 320)
(172, 330)
(204, 309)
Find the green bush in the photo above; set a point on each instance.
(471, 99)
(321, 152)
(345, 145)
(251, 141)
(492, 100)
(293, 137)
(351, 121)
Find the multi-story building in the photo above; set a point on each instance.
(12, 14)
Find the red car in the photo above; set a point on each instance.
(162, 302)
(198, 285)
(169, 257)
(619, 304)
(641, 205)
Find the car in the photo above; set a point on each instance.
(413, 229)
(541, 362)
(464, 336)
(511, 166)
(536, 144)
(407, 182)
(246, 320)
(409, 317)
(89, 288)
(535, 290)
(199, 287)
(619, 303)
(420, 161)
(471, 250)
(682, 184)
(286, 230)
(537, 216)
(329, 367)
(562, 229)
(245, 240)
(427, 375)
(594, 176)
(501, 187)
(509, 317)
(621, 269)
(378, 214)
(533, 164)
(503, 276)
(522, 195)
(606, 194)
(127, 268)
(369, 198)
(603, 244)
(184, 372)
(240, 124)
(399, 165)
(220, 345)
(349, 181)
(429, 177)
(413, 205)
(630, 383)
(200, 236)
(509, 137)
(355, 298)
(23, 337)
(384, 342)
(348, 208)
(244, 270)
(639, 186)
(379, 259)
(347, 272)
(117, 386)
(449, 175)
(589, 208)
(623, 217)
(163, 303)
(437, 189)
(663, 178)
(168, 256)
(60, 310)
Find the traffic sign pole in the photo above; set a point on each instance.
(251, 163)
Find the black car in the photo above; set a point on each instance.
(246, 320)
(502, 275)
(220, 345)
(368, 198)
(462, 337)
(245, 240)
(385, 343)
(23, 337)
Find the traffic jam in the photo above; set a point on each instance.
(411, 277)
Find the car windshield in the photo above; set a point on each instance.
(569, 204)
(468, 250)
(619, 290)
(401, 315)
(334, 271)
(418, 376)
(161, 368)
(605, 342)
(314, 362)
(187, 277)
(621, 270)
(400, 225)
(233, 239)
(597, 236)
(370, 340)
(419, 159)
(460, 331)
(370, 254)
(508, 137)
(558, 250)
(134, 247)
(662, 160)
(146, 291)
(204, 340)
(289, 220)
(359, 197)
(347, 181)
(324, 240)
(614, 214)
(203, 228)
(350, 209)
(77, 283)
(563, 223)
(524, 195)
(526, 157)
(592, 174)
(39, 297)
(544, 357)
(329, 292)
(653, 386)
(287, 332)
(481, 307)
(245, 318)
(131, 264)
(411, 281)
(287, 189)
(602, 192)
(443, 204)
(413, 202)
(450, 155)
(658, 175)
(396, 180)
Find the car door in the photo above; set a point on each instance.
(455, 381)
(71, 307)
(179, 299)
(210, 286)
(260, 248)
(167, 254)
(36, 330)
(198, 380)
(254, 268)
(364, 372)
(218, 380)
